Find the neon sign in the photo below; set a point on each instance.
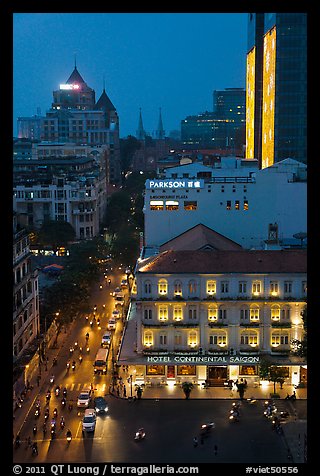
(176, 183)
(69, 86)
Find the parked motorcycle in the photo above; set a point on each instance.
(206, 427)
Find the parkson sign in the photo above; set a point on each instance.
(203, 360)
(174, 183)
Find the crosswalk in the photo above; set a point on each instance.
(100, 388)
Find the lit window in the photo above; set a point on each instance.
(163, 287)
(228, 204)
(177, 313)
(279, 339)
(275, 313)
(190, 205)
(192, 287)
(254, 314)
(156, 204)
(274, 288)
(218, 339)
(163, 313)
(249, 338)
(245, 205)
(172, 205)
(211, 287)
(256, 288)
(237, 205)
(192, 339)
(177, 288)
(212, 314)
(148, 339)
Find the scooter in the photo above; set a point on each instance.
(35, 449)
(69, 436)
(206, 427)
(140, 434)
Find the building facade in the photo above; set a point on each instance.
(276, 102)
(25, 292)
(232, 196)
(214, 315)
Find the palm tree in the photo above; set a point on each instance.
(187, 387)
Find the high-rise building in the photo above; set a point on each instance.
(223, 128)
(276, 102)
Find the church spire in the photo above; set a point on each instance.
(160, 133)
(140, 131)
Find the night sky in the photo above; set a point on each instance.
(146, 60)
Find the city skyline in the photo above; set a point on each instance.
(136, 72)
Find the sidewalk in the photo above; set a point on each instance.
(20, 415)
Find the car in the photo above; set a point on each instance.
(116, 314)
(124, 283)
(106, 339)
(84, 399)
(100, 405)
(89, 420)
(111, 324)
(116, 291)
(119, 299)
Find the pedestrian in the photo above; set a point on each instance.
(124, 391)
(118, 391)
(215, 448)
(195, 442)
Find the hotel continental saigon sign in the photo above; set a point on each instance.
(202, 360)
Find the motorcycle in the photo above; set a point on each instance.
(37, 413)
(54, 361)
(71, 350)
(251, 400)
(69, 436)
(140, 434)
(80, 358)
(98, 322)
(34, 429)
(206, 427)
(62, 423)
(35, 449)
(64, 392)
(91, 323)
(52, 379)
(55, 413)
(46, 415)
(73, 365)
(234, 415)
(53, 432)
(63, 402)
(57, 391)
(68, 366)
(88, 349)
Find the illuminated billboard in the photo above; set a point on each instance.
(69, 86)
(250, 103)
(268, 99)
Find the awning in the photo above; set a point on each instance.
(52, 267)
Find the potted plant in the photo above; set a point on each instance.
(187, 387)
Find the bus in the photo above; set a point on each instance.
(100, 363)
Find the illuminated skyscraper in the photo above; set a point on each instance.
(276, 86)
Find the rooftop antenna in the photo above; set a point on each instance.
(75, 60)
(104, 85)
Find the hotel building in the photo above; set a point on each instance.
(213, 315)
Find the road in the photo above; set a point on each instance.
(170, 427)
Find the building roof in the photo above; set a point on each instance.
(75, 77)
(200, 237)
(104, 102)
(221, 261)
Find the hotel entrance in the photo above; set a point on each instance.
(217, 375)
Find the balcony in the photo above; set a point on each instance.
(281, 324)
(218, 324)
(250, 324)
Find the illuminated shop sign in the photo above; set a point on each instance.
(197, 359)
(69, 86)
(175, 183)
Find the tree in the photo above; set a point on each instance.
(300, 346)
(128, 147)
(187, 388)
(272, 373)
(56, 233)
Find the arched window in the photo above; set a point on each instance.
(162, 287)
(279, 338)
(244, 313)
(285, 313)
(254, 313)
(192, 287)
(249, 337)
(177, 288)
(275, 312)
(147, 287)
(163, 339)
(218, 338)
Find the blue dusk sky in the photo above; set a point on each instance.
(146, 60)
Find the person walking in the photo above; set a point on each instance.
(195, 442)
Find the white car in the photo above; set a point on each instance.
(116, 314)
(84, 399)
(111, 324)
(106, 339)
(89, 420)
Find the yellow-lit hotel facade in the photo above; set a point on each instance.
(276, 92)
